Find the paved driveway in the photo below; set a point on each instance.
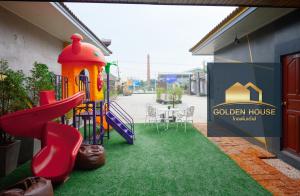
(135, 105)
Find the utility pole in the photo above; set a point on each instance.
(148, 72)
(119, 79)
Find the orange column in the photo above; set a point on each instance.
(67, 71)
(95, 94)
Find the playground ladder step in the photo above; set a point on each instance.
(120, 127)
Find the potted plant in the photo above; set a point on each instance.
(13, 97)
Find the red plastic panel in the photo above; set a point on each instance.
(56, 159)
(31, 122)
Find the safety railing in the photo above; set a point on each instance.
(60, 84)
(115, 108)
(83, 85)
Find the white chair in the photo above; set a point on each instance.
(148, 110)
(153, 116)
(186, 116)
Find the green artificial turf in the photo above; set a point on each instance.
(169, 163)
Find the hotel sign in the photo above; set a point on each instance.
(241, 102)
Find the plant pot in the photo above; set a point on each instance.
(9, 157)
(26, 149)
(68, 121)
(46, 97)
(172, 118)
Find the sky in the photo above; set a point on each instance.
(166, 33)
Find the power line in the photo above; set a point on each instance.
(164, 63)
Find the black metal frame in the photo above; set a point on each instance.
(83, 83)
(87, 112)
(60, 84)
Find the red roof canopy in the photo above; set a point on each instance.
(81, 52)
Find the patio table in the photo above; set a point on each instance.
(167, 117)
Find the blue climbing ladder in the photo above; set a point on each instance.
(121, 121)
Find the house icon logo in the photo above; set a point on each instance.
(241, 94)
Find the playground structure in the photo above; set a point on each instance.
(82, 64)
(81, 61)
(78, 89)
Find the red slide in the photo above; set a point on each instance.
(60, 143)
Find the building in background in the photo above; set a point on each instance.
(167, 80)
(114, 81)
(38, 31)
(198, 82)
(127, 87)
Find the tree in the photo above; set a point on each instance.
(175, 94)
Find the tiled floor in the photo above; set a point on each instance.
(284, 168)
(135, 105)
(249, 158)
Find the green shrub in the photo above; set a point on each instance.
(12, 89)
(159, 91)
(178, 91)
(13, 96)
(40, 79)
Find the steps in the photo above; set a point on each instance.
(120, 127)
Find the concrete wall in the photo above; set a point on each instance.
(22, 43)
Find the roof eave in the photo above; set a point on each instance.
(63, 9)
(237, 25)
(228, 22)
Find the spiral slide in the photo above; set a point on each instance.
(60, 143)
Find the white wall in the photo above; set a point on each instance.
(22, 43)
